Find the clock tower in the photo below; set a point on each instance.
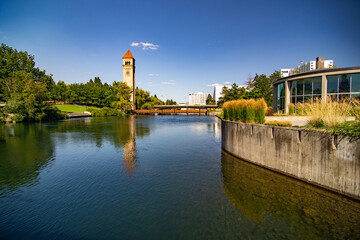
(129, 74)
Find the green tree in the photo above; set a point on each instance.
(233, 93)
(12, 61)
(141, 97)
(122, 96)
(264, 85)
(170, 102)
(210, 100)
(27, 97)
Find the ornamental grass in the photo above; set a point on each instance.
(328, 114)
(250, 111)
(291, 109)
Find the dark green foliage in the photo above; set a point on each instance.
(254, 94)
(210, 100)
(170, 102)
(12, 62)
(104, 112)
(52, 113)
(349, 128)
(264, 85)
(233, 93)
(148, 105)
(142, 97)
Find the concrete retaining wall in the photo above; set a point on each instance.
(330, 161)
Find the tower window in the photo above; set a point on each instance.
(127, 63)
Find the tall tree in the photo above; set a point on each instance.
(210, 100)
(12, 61)
(233, 93)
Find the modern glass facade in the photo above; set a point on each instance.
(281, 96)
(344, 86)
(305, 88)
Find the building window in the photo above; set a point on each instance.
(355, 82)
(345, 86)
(305, 90)
(281, 96)
(127, 63)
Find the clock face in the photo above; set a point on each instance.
(127, 72)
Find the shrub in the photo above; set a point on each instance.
(291, 108)
(147, 105)
(104, 112)
(350, 127)
(245, 110)
(279, 123)
(53, 113)
(260, 110)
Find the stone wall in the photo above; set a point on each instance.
(324, 159)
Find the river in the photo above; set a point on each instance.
(161, 177)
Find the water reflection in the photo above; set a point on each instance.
(301, 210)
(25, 149)
(129, 151)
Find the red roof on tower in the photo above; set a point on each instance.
(128, 55)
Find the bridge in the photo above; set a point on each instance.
(177, 110)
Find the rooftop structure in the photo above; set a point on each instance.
(320, 63)
(334, 83)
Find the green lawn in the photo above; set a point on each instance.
(71, 108)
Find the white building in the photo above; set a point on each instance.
(285, 72)
(217, 92)
(320, 63)
(197, 98)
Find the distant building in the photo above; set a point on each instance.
(197, 98)
(219, 88)
(336, 84)
(217, 92)
(320, 63)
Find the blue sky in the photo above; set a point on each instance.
(194, 43)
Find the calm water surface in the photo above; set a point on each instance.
(162, 177)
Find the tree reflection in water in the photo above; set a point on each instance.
(26, 148)
(307, 211)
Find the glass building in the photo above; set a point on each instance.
(334, 83)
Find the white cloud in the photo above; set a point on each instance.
(149, 84)
(170, 82)
(153, 74)
(227, 82)
(145, 45)
(213, 85)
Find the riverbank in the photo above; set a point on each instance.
(320, 158)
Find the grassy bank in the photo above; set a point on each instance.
(71, 108)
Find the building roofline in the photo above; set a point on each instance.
(316, 71)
